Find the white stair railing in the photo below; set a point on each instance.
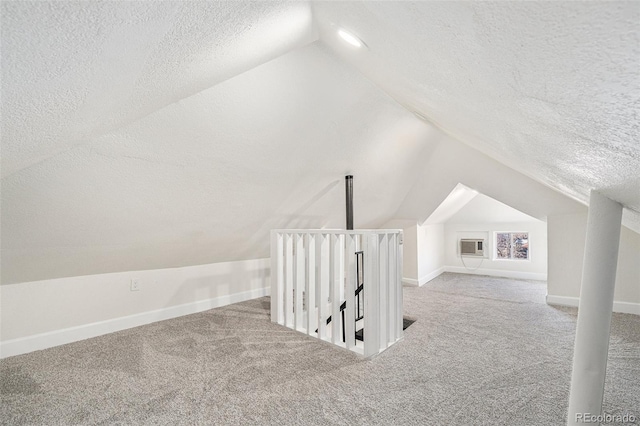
(314, 278)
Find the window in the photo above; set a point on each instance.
(512, 245)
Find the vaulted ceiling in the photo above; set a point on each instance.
(139, 135)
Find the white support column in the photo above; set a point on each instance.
(596, 304)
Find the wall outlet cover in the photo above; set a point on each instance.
(135, 285)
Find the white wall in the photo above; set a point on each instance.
(430, 252)
(41, 314)
(566, 253)
(534, 268)
(628, 273)
(422, 252)
(482, 217)
(567, 235)
(479, 216)
(410, 254)
(409, 248)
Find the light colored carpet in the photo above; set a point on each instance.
(483, 351)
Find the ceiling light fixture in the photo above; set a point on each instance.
(350, 38)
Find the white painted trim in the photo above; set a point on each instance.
(562, 300)
(620, 307)
(422, 281)
(626, 308)
(498, 273)
(432, 275)
(73, 334)
(410, 282)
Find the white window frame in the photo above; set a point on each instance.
(510, 258)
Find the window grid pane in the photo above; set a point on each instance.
(512, 245)
(520, 244)
(503, 246)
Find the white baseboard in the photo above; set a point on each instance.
(621, 307)
(431, 276)
(423, 280)
(498, 273)
(73, 334)
(562, 300)
(626, 307)
(410, 282)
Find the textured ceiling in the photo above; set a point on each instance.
(551, 89)
(73, 70)
(141, 135)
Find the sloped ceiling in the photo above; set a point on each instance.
(551, 89)
(205, 179)
(455, 201)
(482, 209)
(139, 135)
(75, 70)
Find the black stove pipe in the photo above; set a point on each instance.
(348, 181)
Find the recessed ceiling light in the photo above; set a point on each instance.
(350, 38)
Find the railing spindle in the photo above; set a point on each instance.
(383, 285)
(398, 287)
(350, 314)
(391, 295)
(288, 280)
(325, 282)
(310, 282)
(300, 282)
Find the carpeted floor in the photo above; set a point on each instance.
(483, 351)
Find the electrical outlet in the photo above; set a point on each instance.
(135, 285)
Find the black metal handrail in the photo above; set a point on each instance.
(359, 311)
(359, 294)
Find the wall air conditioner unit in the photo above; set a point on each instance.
(469, 247)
